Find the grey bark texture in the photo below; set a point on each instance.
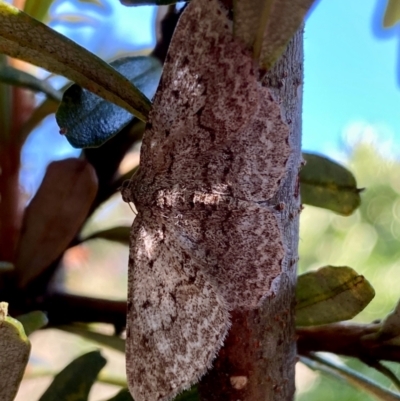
(257, 361)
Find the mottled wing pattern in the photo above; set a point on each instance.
(237, 244)
(214, 128)
(176, 320)
(215, 148)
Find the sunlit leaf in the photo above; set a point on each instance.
(75, 380)
(38, 9)
(89, 121)
(56, 53)
(113, 342)
(14, 354)
(266, 26)
(392, 13)
(54, 216)
(331, 294)
(117, 234)
(33, 321)
(329, 185)
(13, 76)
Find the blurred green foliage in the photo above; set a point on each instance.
(369, 242)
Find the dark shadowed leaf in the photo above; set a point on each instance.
(392, 13)
(266, 26)
(48, 49)
(13, 76)
(54, 216)
(331, 294)
(113, 342)
(329, 185)
(123, 395)
(14, 354)
(75, 380)
(88, 121)
(118, 234)
(33, 321)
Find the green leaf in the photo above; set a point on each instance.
(350, 376)
(123, 395)
(13, 76)
(117, 234)
(33, 321)
(149, 2)
(56, 53)
(329, 185)
(392, 13)
(38, 9)
(266, 26)
(331, 294)
(89, 121)
(75, 380)
(113, 342)
(14, 354)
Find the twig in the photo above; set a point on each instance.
(342, 372)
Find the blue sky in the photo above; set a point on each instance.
(351, 83)
(351, 74)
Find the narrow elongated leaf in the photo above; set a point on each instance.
(331, 294)
(266, 26)
(14, 354)
(47, 107)
(89, 121)
(38, 9)
(392, 13)
(113, 342)
(54, 216)
(13, 76)
(329, 185)
(350, 376)
(33, 321)
(48, 49)
(117, 234)
(75, 380)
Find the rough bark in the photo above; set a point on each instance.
(258, 358)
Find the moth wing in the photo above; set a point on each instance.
(213, 127)
(176, 321)
(240, 248)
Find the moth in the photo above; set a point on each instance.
(204, 242)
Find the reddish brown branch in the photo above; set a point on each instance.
(349, 339)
